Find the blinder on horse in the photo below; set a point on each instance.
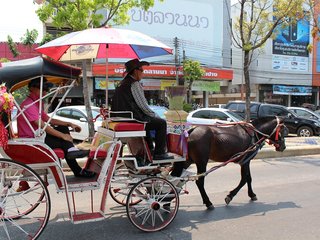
(276, 137)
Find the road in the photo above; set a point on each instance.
(288, 208)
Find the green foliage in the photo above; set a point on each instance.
(257, 21)
(192, 70)
(187, 107)
(46, 38)
(20, 94)
(30, 38)
(81, 14)
(3, 60)
(13, 47)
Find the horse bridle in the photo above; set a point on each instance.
(275, 131)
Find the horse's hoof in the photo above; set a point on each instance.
(228, 200)
(254, 198)
(210, 207)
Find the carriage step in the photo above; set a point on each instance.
(177, 158)
(87, 217)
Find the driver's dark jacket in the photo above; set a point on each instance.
(123, 100)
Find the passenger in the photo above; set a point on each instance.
(129, 96)
(56, 137)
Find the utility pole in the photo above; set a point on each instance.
(176, 58)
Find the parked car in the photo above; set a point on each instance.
(305, 112)
(303, 127)
(78, 115)
(207, 116)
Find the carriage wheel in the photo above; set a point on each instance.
(158, 204)
(24, 202)
(121, 184)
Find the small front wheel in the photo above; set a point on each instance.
(24, 202)
(157, 203)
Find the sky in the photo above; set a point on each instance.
(16, 17)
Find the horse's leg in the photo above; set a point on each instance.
(251, 194)
(245, 178)
(201, 168)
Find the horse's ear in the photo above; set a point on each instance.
(281, 118)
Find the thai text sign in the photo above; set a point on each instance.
(205, 86)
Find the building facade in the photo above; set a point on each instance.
(282, 71)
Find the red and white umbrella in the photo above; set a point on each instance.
(106, 43)
(103, 42)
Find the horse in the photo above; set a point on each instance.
(226, 143)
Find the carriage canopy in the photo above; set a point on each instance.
(18, 73)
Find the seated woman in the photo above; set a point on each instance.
(56, 137)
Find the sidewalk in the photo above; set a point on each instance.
(296, 146)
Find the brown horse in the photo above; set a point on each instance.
(231, 143)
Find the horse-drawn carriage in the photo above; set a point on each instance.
(118, 155)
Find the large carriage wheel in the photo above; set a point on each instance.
(157, 207)
(24, 202)
(121, 184)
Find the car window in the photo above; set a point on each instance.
(95, 113)
(219, 115)
(303, 113)
(240, 107)
(77, 115)
(64, 113)
(273, 111)
(254, 108)
(202, 114)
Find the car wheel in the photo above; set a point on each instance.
(305, 131)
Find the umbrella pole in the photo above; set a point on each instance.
(107, 66)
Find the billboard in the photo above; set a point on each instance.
(198, 25)
(292, 90)
(292, 39)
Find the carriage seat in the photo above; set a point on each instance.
(102, 153)
(59, 152)
(125, 126)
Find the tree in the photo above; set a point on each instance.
(257, 22)
(13, 47)
(82, 14)
(192, 71)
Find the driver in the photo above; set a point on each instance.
(129, 96)
(56, 137)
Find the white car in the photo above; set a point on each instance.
(305, 112)
(208, 116)
(78, 115)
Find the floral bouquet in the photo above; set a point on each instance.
(6, 105)
(6, 100)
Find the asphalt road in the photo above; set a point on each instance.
(288, 208)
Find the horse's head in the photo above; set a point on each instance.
(273, 129)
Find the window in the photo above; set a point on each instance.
(77, 115)
(202, 114)
(219, 115)
(273, 111)
(64, 113)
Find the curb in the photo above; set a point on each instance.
(289, 152)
